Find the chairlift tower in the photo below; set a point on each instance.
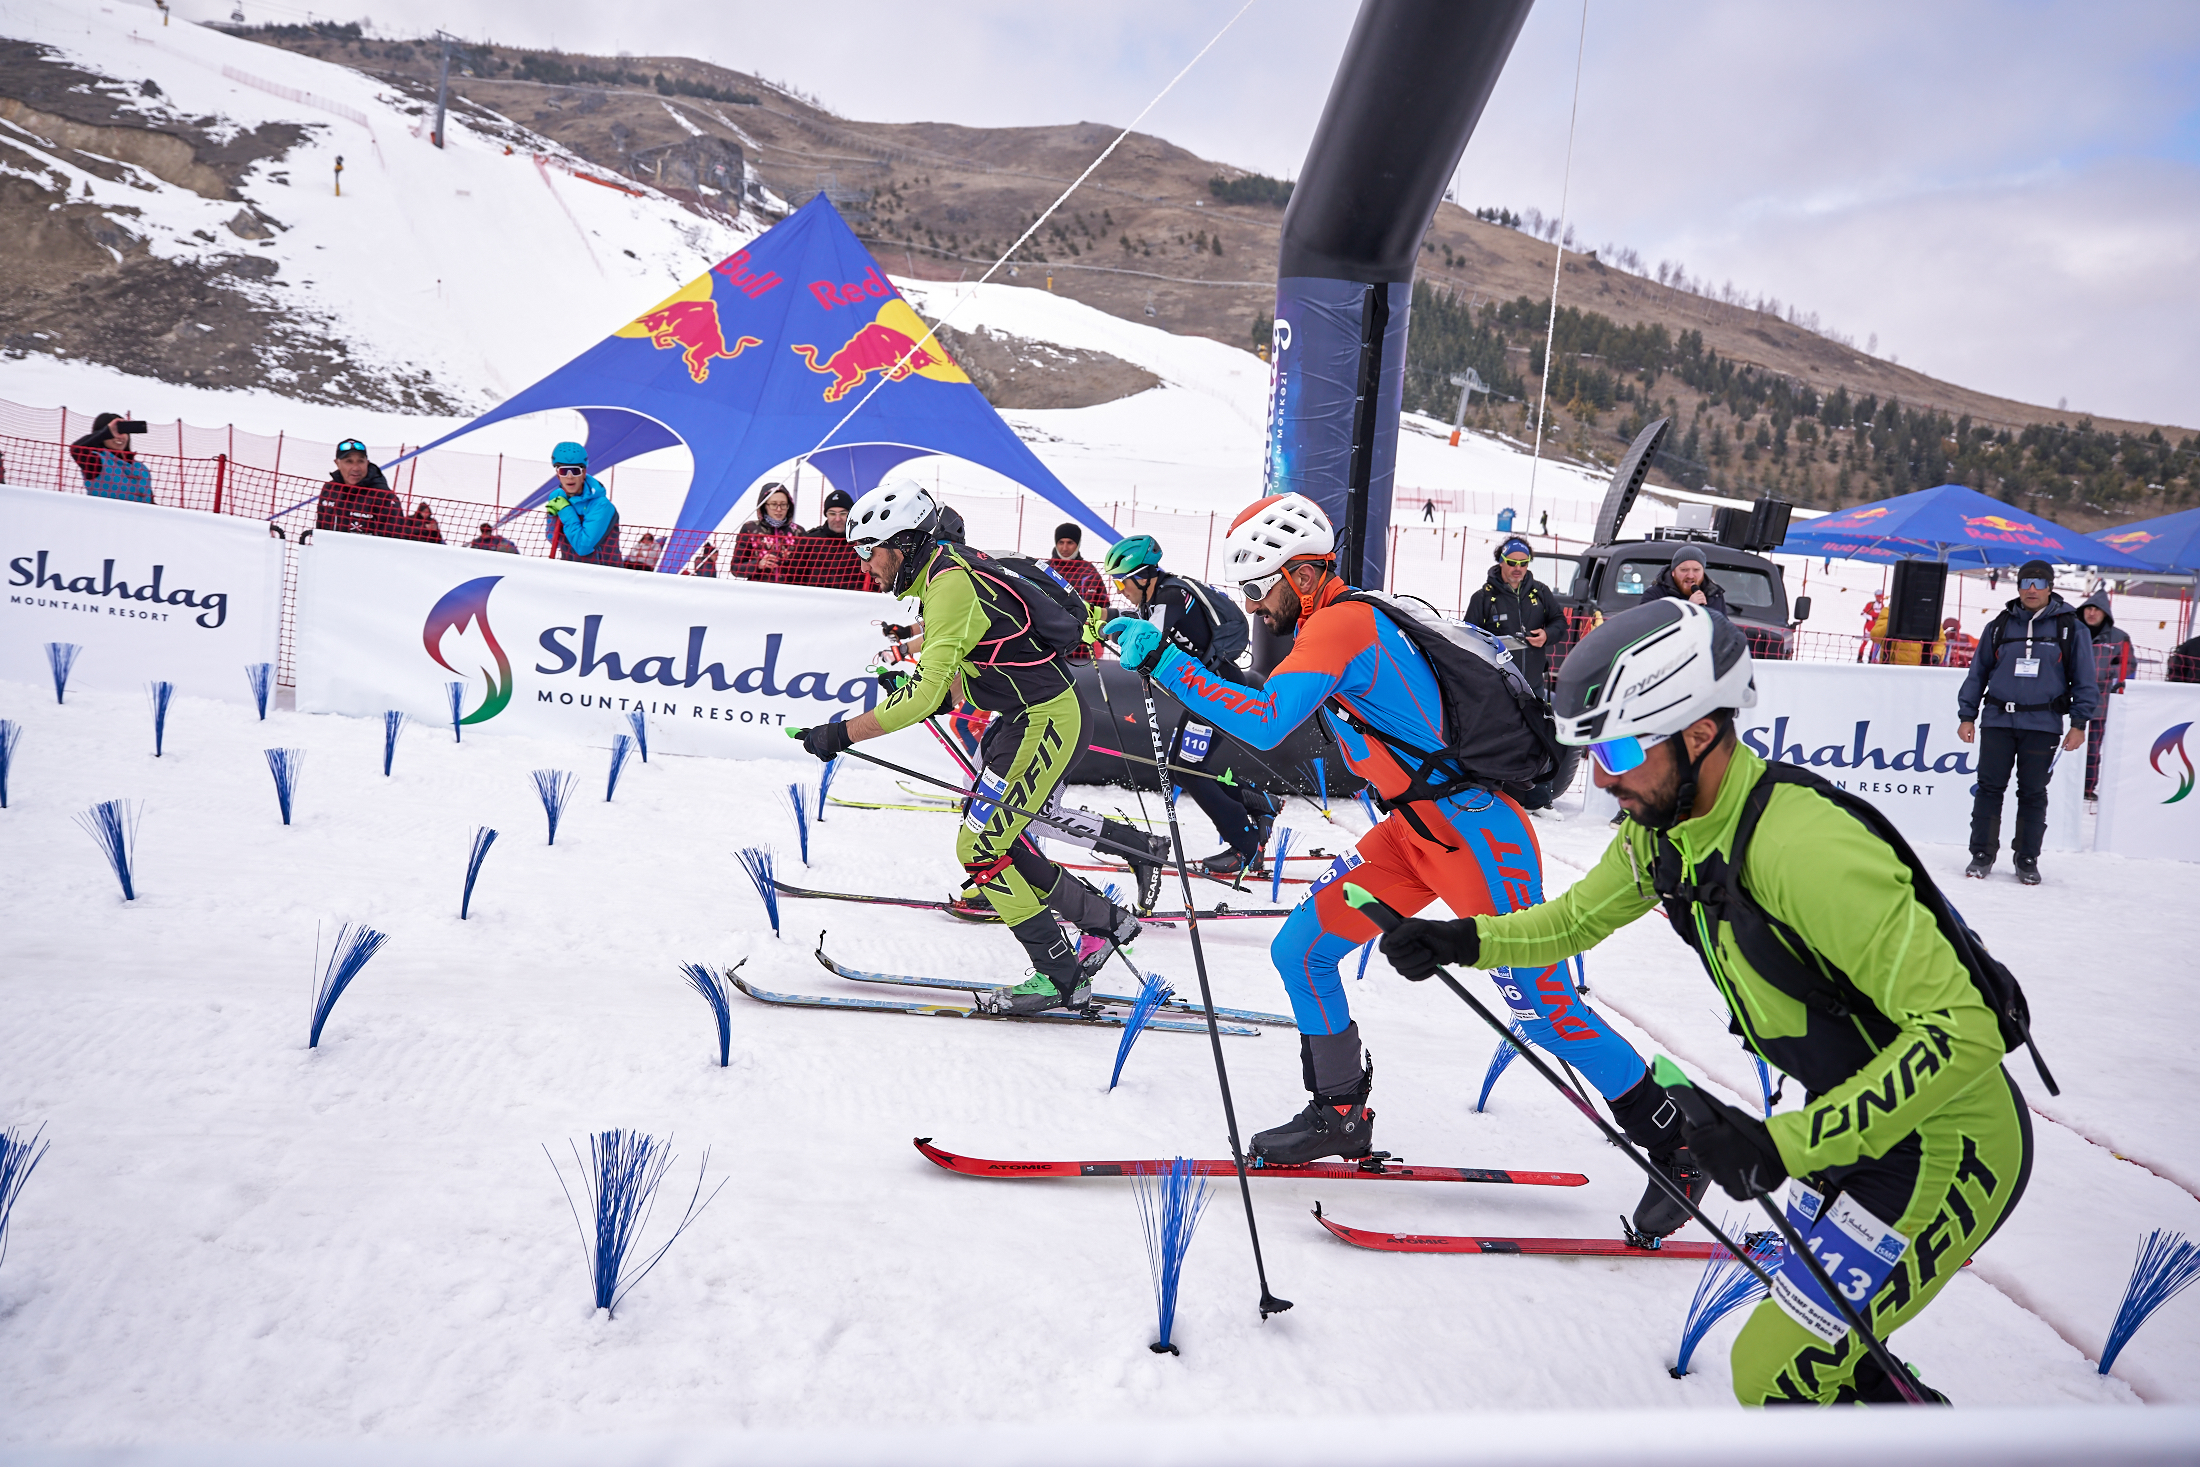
(1469, 383)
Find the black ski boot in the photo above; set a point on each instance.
(1145, 870)
(1869, 1386)
(1980, 868)
(1653, 1122)
(1054, 982)
(2028, 872)
(1233, 865)
(1101, 924)
(1336, 1122)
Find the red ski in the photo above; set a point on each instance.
(1562, 1247)
(1380, 1167)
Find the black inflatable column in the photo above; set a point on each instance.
(1414, 79)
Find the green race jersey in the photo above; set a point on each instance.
(976, 640)
(1848, 895)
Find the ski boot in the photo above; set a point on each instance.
(1035, 995)
(1869, 1386)
(970, 906)
(2028, 872)
(1095, 948)
(1980, 868)
(1145, 870)
(1052, 982)
(1234, 865)
(1334, 1123)
(1653, 1122)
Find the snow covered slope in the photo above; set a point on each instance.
(236, 1237)
(471, 269)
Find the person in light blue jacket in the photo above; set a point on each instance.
(584, 523)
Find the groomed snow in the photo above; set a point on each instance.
(235, 1238)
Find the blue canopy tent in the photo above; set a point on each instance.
(2169, 543)
(1950, 523)
(794, 348)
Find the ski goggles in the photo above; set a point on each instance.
(1617, 756)
(565, 469)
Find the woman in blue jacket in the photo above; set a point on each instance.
(584, 523)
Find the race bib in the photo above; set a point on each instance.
(1337, 868)
(2028, 667)
(978, 809)
(1197, 739)
(1856, 1250)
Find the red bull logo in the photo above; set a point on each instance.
(888, 344)
(2129, 540)
(1858, 517)
(2001, 527)
(688, 323)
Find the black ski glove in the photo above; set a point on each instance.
(1417, 948)
(825, 741)
(1732, 1146)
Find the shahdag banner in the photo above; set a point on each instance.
(2149, 804)
(149, 594)
(717, 667)
(1889, 734)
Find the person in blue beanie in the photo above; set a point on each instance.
(584, 523)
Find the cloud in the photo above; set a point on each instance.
(2008, 194)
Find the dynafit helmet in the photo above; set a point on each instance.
(899, 514)
(1650, 672)
(1132, 554)
(1268, 535)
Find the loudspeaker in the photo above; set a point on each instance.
(1768, 524)
(1914, 603)
(1731, 525)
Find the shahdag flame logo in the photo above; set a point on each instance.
(461, 620)
(2173, 741)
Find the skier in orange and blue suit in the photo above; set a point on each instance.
(1474, 850)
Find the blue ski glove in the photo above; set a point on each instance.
(1137, 642)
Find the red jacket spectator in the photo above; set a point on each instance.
(762, 546)
(1070, 564)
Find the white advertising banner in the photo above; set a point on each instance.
(2149, 805)
(719, 667)
(1889, 734)
(150, 594)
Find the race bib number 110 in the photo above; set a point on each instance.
(1856, 1250)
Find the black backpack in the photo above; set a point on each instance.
(1055, 615)
(1781, 956)
(1500, 730)
(1232, 633)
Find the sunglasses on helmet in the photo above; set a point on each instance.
(350, 445)
(1616, 756)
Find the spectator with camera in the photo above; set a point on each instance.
(110, 469)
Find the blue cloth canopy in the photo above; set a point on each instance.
(1952, 523)
(796, 347)
(2169, 542)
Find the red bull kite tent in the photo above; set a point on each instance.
(755, 362)
(1950, 523)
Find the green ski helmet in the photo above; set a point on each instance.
(1132, 554)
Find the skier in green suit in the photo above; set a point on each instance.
(1836, 961)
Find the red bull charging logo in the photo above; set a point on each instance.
(2001, 527)
(687, 322)
(2129, 540)
(887, 344)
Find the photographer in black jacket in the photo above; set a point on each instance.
(1511, 602)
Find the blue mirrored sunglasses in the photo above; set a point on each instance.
(2034, 583)
(1617, 756)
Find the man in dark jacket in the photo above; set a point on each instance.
(1687, 578)
(1513, 603)
(1070, 564)
(833, 566)
(2034, 664)
(2112, 656)
(357, 499)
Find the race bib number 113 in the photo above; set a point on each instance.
(1856, 1250)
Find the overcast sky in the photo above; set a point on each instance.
(2008, 195)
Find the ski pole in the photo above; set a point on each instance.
(1383, 915)
(1675, 1083)
(1098, 842)
(1269, 1303)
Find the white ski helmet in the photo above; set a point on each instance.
(896, 507)
(1268, 535)
(1650, 672)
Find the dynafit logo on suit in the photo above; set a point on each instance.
(687, 322)
(458, 636)
(2172, 741)
(886, 344)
